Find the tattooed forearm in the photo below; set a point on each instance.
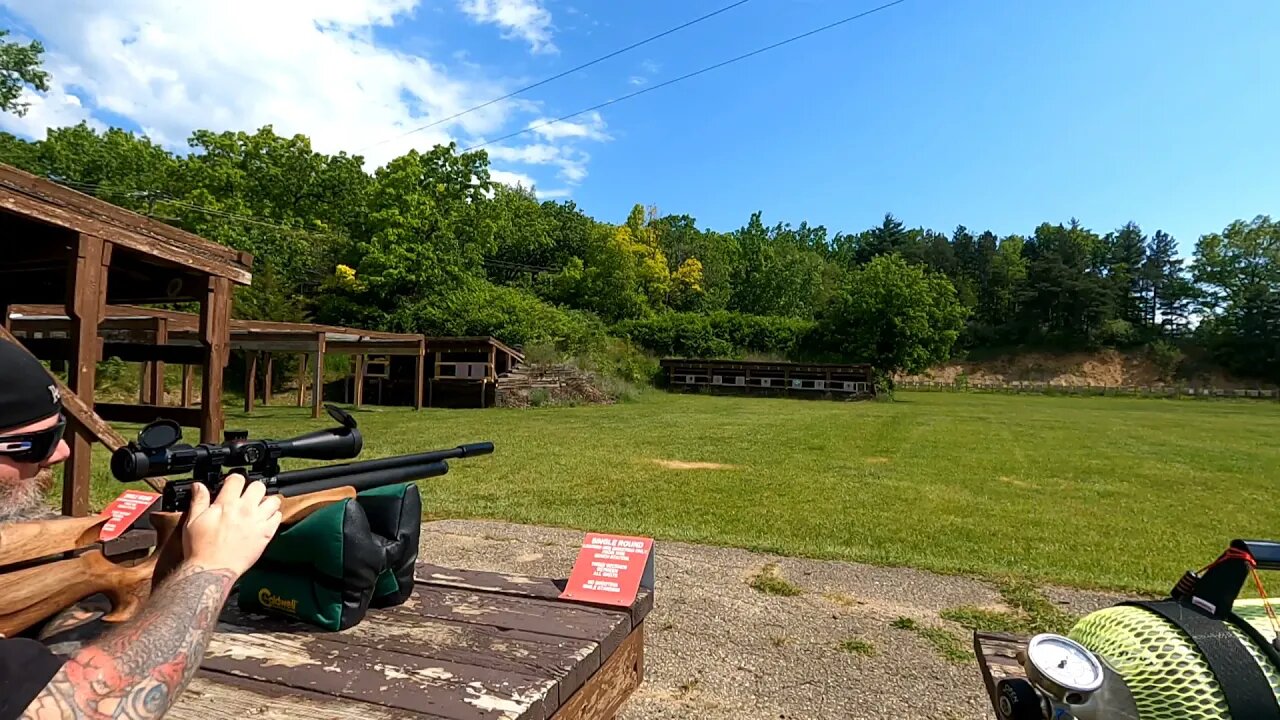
(136, 671)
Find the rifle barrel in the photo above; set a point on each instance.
(291, 477)
(369, 479)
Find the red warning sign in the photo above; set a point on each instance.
(125, 511)
(610, 570)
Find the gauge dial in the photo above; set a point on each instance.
(1065, 663)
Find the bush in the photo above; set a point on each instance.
(1166, 357)
(514, 316)
(720, 334)
(1117, 333)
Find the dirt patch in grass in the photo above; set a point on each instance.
(682, 465)
(769, 582)
(877, 460)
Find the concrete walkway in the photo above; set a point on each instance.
(718, 649)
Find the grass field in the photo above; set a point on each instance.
(1096, 492)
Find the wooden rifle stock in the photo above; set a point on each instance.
(39, 592)
(34, 594)
(22, 542)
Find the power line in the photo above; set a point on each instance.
(695, 73)
(570, 71)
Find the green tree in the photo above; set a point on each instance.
(1126, 282)
(1239, 270)
(1170, 294)
(682, 242)
(1064, 301)
(19, 153)
(899, 317)
(19, 68)
(776, 271)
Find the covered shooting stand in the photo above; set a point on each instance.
(81, 253)
(465, 370)
(127, 328)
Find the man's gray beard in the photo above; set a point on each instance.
(25, 500)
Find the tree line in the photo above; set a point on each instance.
(428, 243)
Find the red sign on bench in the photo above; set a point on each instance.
(124, 511)
(610, 570)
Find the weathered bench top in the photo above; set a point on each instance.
(467, 644)
(997, 655)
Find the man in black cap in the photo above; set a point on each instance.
(137, 669)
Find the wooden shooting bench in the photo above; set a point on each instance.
(467, 644)
(997, 655)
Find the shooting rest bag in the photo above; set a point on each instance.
(321, 570)
(329, 568)
(395, 515)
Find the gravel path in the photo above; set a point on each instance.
(717, 649)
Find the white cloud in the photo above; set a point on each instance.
(312, 68)
(650, 67)
(572, 163)
(554, 194)
(637, 80)
(506, 177)
(524, 19)
(592, 127)
(55, 108)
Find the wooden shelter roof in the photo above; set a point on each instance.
(245, 334)
(151, 262)
(471, 343)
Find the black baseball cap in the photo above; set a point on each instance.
(27, 393)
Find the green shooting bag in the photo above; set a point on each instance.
(395, 516)
(329, 568)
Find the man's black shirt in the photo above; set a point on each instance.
(26, 667)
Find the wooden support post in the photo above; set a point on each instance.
(359, 381)
(317, 388)
(144, 383)
(186, 386)
(250, 375)
(302, 379)
(215, 322)
(419, 367)
(490, 376)
(157, 368)
(266, 381)
(87, 289)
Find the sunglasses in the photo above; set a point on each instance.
(33, 447)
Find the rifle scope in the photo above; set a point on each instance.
(157, 453)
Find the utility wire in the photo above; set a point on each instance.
(695, 73)
(570, 71)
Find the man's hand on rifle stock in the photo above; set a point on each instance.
(138, 669)
(233, 531)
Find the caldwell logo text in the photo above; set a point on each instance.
(277, 603)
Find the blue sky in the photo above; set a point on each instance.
(991, 114)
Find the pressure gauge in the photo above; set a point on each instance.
(1063, 667)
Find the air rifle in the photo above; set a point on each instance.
(49, 565)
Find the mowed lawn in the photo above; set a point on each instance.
(1104, 492)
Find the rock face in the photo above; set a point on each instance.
(550, 384)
